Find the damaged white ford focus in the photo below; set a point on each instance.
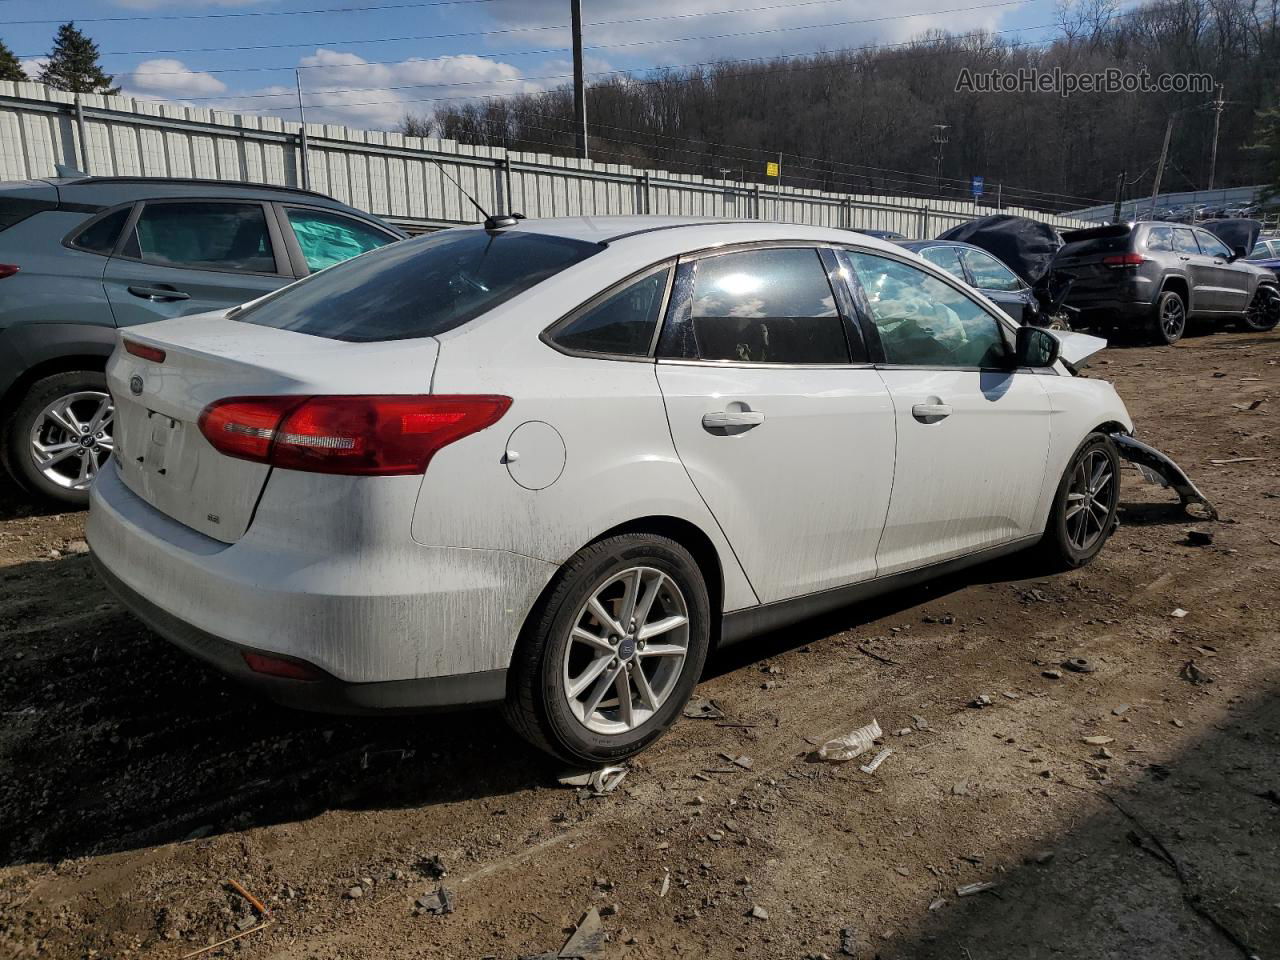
(552, 464)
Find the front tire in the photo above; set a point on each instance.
(611, 654)
(1264, 310)
(60, 435)
(1169, 319)
(1084, 508)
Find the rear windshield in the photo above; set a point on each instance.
(1115, 238)
(419, 287)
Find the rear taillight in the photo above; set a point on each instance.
(354, 435)
(8, 270)
(1124, 260)
(154, 354)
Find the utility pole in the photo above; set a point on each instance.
(579, 91)
(940, 139)
(1115, 216)
(1164, 154)
(1217, 106)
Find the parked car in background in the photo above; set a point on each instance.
(1266, 254)
(1148, 278)
(980, 269)
(884, 234)
(80, 257)
(551, 464)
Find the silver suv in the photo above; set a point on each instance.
(80, 257)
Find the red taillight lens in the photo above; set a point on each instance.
(8, 270)
(353, 435)
(280, 667)
(154, 354)
(1124, 260)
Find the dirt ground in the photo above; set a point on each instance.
(135, 785)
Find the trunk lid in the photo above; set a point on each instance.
(1083, 254)
(159, 450)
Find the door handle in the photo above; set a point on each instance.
(931, 412)
(159, 293)
(732, 418)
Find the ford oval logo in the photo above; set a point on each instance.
(135, 385)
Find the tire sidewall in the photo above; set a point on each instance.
(1157, 322)
(1266, 324)
(1063, 546)
(570, 737)
(17, 438)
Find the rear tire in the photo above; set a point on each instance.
(1168, 320)
(54, 455)
(1083, 514)
(1264, 310)
(571, 671)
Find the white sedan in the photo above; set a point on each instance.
(553, 464)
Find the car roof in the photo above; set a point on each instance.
(918, 245)
(112, 190)
(688, 233)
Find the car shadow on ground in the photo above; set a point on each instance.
(16, 503)
(1179, 865)
(111, 739)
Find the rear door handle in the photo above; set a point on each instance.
(159, 293)
(732, 418)
(931, 412)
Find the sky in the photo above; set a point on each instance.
(366, 63)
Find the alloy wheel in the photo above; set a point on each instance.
(1173, 318)
(1264, 311)
(72, 438)
(1089, 499)
(626, 651)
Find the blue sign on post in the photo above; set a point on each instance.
(977, 187)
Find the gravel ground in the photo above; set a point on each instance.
(135, 785)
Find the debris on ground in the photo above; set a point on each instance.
(851, 745)
(969, 889)
(702, 709)
(1079, 665)
(595, 783)
(880, 758)
(758, 913)
(1041, 857)
(433, 867)
(1178, 612)
(1051, 674)
(1191, 671)
(1199, 538)
(983, 701)
(438, 903)
(355, 893)
(588, 940)
(666, 882)
(1098, 741)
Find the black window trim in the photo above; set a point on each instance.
(547, 336)
(872, 333)
(691, 259)
(280, 209)
(68, 241)
(273, 232)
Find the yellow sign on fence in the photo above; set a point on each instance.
(771, 169)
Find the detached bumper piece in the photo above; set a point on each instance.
(1158, 468)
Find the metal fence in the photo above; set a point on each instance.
(404, 178)
(1141, 206)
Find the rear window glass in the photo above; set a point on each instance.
(101, 236)
(419, 287)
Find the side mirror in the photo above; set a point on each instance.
(1035, 347)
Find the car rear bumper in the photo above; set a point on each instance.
(405, 627)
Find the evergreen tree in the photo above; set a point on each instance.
(10, 68)
(73, 64)
(1268, 148)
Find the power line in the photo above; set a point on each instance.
(505, 31)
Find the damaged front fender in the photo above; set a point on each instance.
(1158, 468)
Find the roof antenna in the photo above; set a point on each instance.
(491, 222)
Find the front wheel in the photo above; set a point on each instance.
(60, 435)
(611, 654)
(1264, 311)
(1084, 507)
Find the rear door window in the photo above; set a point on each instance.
(989, 273)
(328, 238)
(763, 306)
(948, 258)
(203, 234)
(621, 323)
(1184, 241)
(419, 287)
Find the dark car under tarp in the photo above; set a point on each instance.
(1025, 246)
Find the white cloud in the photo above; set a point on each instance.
(32, 66)
(171, 79)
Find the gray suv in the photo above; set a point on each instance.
(80, 257)
(1150, 277)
